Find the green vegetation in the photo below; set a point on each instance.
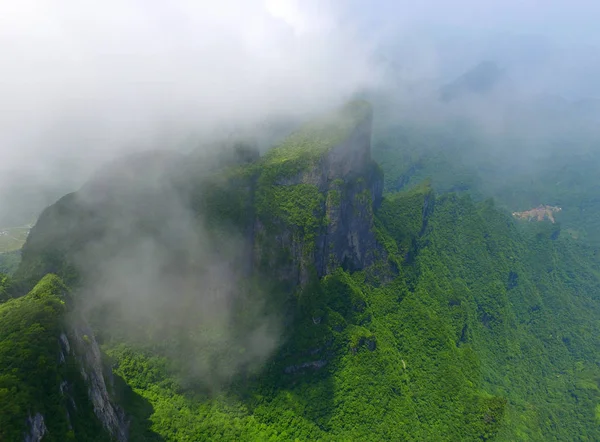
(4, 286)
(494, 339)
(400, 214)
(469, 326)
(295, 205)
(178, 416)
(307, 146)
(31, 374)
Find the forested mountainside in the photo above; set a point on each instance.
(520, 169)
(301, 295)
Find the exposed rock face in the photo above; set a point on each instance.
(37, 428)
(348, 239)
(539, 213)
(347, 185)
(89, 357)
(79, 343)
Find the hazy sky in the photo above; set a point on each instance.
(93, 73)
(82, 79)
(561, 20)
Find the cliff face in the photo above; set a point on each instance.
(305, 208)
(53, 368)
(353, 186)
(87, 353)
(315, 197)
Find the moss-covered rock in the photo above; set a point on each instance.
(315, 195)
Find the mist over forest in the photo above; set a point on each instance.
(83, 85)
(299, 220)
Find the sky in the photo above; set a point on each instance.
(117, 72)
(560, 20)
(82, 81)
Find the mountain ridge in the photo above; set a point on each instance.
(287, 297)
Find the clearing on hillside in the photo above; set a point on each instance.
(13, 238)
(539, 213)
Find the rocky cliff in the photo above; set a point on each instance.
(81, 344)
(292, 216)
(53, 371)
(315, 197)
(305, 207)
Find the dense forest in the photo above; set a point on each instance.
(352, 293)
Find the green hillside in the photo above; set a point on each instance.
(39, 380)
(519, 170)
(487, 335)
(331, 309)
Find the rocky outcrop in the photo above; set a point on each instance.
(37, 428)
(305, 208)
(335, 187)
(53, 371)
(353, 184)
(315, 365)
(78, 344)
(88, 355)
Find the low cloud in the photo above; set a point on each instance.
(83, 82)
(156, 276)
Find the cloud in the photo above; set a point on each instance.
(83, 81)
(118, 69)
(156, 277)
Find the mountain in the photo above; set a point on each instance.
(300, 295)
(480, 80)
(526, 152)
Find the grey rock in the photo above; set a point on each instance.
(348, 239)
(88, 354)
(37, 428)
(311, 364)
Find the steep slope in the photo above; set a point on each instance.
(52, 384)
(315, 196)
(486, 334)
(412, 316)
(310, 200)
